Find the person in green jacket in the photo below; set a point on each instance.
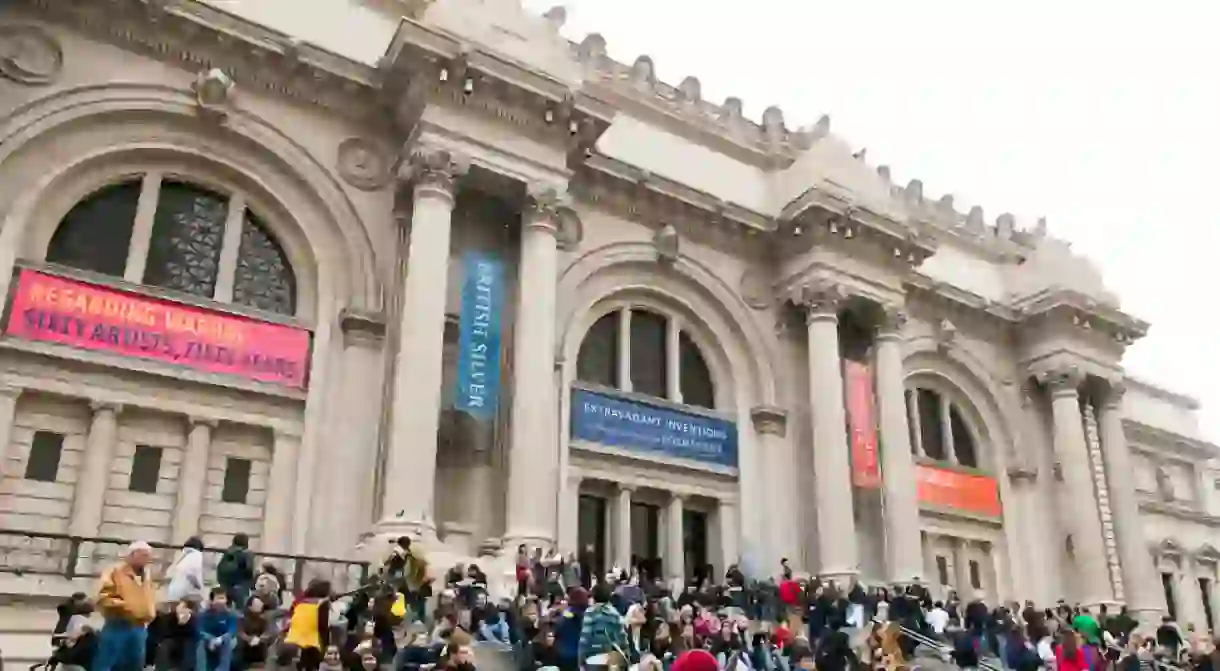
(1086, 625)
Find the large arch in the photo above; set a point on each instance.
(736, 350)
(60, 148)
(957, 374)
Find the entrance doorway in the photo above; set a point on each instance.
(694, 545)
(591, 532)
(645, 539)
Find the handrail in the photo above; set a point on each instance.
(942, 647)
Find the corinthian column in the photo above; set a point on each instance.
(408, 497)
(193, 476)
(1083, 520)
(533, 486)
(837, 553)
(901, 512)
(1142, 589)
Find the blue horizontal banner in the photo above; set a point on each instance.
(639, 427)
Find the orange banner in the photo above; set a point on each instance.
(862, 424)
(977, 494)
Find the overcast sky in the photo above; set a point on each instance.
(1102, 116)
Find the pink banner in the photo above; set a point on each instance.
(861, 421)
(47, 308)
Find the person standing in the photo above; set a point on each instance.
(235, 572)
(126, 602)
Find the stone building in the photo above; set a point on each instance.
(385, 268)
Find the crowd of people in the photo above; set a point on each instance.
(564, 618)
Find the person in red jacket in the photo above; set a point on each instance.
(1070, 655)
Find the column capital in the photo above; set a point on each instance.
(626, 488)
(548, 208)
(891, 320)
(1115, 391)
(433, 171)
(821, 300)
(679, 497)
(1062, 380)
(770, 420)
(195, 420)
(99, 407)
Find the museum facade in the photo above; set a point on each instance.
(431, 269)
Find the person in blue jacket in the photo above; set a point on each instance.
(217, 633)
(567, 629)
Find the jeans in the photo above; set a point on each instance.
(222, 653)
(497, 633)
(120, 646)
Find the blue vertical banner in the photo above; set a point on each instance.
(478, 367)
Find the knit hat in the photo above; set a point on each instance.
(696, 660)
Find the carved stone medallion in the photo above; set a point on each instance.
(30, 55)
(363, 164)
(755, 289)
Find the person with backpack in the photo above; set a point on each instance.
(235, 572)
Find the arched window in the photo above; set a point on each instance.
(187, 230)
(938, 428)
(652, 351)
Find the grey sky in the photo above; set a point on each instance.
(1102, 116)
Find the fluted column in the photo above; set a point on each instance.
(281, 483)
(95, 470)
(837, 552)
(8, 413)
(779, 474)
(1072, 451)
(622, 528)
(192, 477)
(903, 556)
(1142, 588)
(675, 549)
(928, 553)
(533, 485)
(408, 497)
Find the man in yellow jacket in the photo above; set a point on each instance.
(125, 600)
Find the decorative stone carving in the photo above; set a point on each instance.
(756, 289)
(975, 223)
(821, 299)
(363, 326)
(946, 335)
(1062, 380)
(666, 242)
(691, 90)
(1164, 484)
(770, 420)
(1023, 473)
(730, 112)
(914, 191)
(1005, 226)
(820, 129)
(643, 74)
(1039, 231)
(891, 320)
(883, 171)
(213, 91)
(363, 164)
(30, 55)
(592, 49)
(550, 207)
(1114, 395)
(434, 169)
(773, 124)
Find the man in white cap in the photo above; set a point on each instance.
(125, 600)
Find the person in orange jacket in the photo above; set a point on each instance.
(126, 602)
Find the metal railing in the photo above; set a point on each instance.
(32, 553)
(944, 649)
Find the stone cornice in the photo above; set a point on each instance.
(458, 73)
(196, 36)
(1084, 312)
(1178, 512)
(1148, 388)
(1155, 438)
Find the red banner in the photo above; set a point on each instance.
(941, 487)
(862, 424)
(47, 308)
